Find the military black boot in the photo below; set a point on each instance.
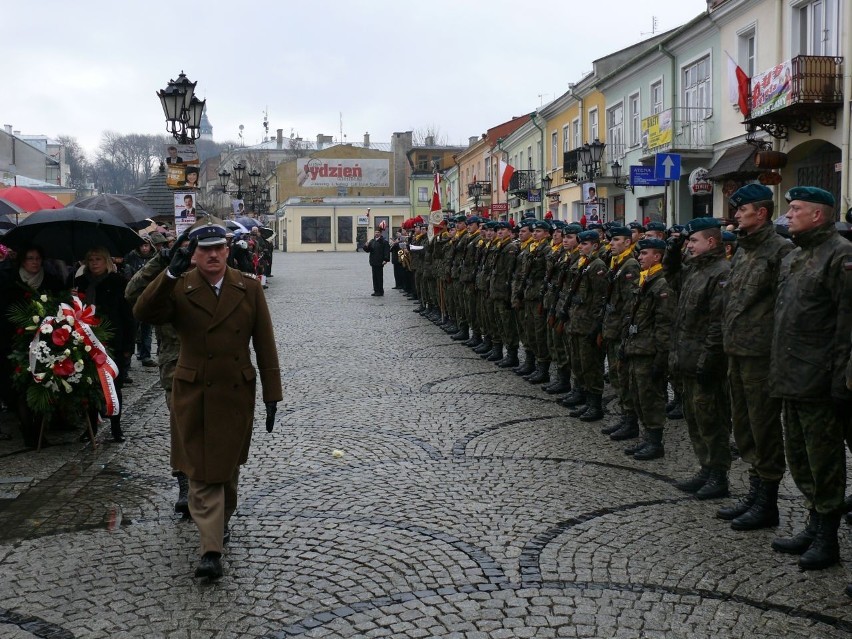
(824, 550)
(609, 429)
(694, 483)
(653, 448)
(635, 448)
(474, 340)
(562, 383)
(594, 410)
(574, 398)
(579, 409)
(484, 347)
(182, 503)
(115, 427)
(799, 543)
(628, 430)
(511, 359)
(676, 411)
(716, 485)
(764, 510)
(541, 374)
(450, 327)
(462, 334)
(528, 366)
(742, 506)
(496, 353)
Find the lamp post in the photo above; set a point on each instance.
(590, 156)
(182, 109)
(239, 177)
(616, 174)
(546, 183)
(476, 191)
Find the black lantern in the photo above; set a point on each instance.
(182, 109)
(616, 174)
(546, 183)
(589, 155)
(239, 176)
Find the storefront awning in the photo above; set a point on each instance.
(735, 163)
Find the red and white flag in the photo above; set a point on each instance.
(506, 172)
(739, 86)
(436, 194)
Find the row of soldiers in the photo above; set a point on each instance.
(742, 337)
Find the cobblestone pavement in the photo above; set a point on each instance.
(466, 504)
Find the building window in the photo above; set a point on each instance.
(316, 230)
(344, 229)
(815, 27)
(520, 164)
(615, 131)
(635, 119)
(593, 125)
(487, 169)
(423, 194)
(657, 97)
(554, 150)
(746, 51)
(566, 140)
(422, 162)
(530, 156)
(576, 134)
(697, 95)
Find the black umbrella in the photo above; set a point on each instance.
(266, 232)
(6, 223)
(67, 234)
(10, 211)
(130, 210)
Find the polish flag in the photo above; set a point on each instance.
(506, 172)
(436, 194)
(739, 86)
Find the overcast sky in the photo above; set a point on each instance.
(85, 66)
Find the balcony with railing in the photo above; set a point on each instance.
(683, 129)
(478, 189)
(522, 182)
(792, 93)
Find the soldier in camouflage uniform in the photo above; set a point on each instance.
(553, 277)
(699, 361)
(168, 348)
(457, 232)
(749, 305)
(439, 244)
(588, 291)
(645, 348)
(457, 291)
(809, 354)
(567, 270)
(418, 256)
(467, 277)
(522, 265)
(500, 293)
(483, 305)
(623, 279)
(533, 299)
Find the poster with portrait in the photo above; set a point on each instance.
(181, 154)
(185, 214)
(175, 175)
(238, 207)
(590, 193)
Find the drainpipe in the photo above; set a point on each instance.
(846, 128)
(533, 116)
(669, 210)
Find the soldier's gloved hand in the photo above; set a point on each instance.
(271, 409)
(167, 252)
(182, 259)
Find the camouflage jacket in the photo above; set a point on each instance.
(467, 271)
(521, 270)
(486, 255)
(552, 278)
(567, 270)
(623, 280)
(587, 300)
(455, 255)
(418, 255)
(648, 326)
(749, 297)
(500, 281)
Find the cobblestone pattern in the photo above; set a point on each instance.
(466, 504)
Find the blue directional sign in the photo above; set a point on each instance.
(667, 166)
(641, 175)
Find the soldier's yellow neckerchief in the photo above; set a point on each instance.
(526, 243)
(417, 237)
(644, 275)
(618, 259)
(555, 246)
(582, 262)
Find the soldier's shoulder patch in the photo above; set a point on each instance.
(601, 272)
(664, 295)
(628, 276)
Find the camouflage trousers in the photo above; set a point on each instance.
(558, 347)
(813, 438)
(618, 377)
(485, 316)
(705, 409)
(508, 323)
(536, 330)
(647, 396)
(521, 321)
(470, 299)
(587, 364)
(450, 300)
(460, 300)
(756, 417)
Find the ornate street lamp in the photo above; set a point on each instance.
(590, 156)
(616, 174)
(546, 183)
(182, 109)
(475, 190)
(239, 176)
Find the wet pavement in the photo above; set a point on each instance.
(466, 504)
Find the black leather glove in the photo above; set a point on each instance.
(182, 259)
(167, 252)
(271, 409)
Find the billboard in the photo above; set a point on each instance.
(657, 130)
(771, 90)
(333, 172)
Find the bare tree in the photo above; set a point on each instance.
(79, 167)
(432, 131)
(124, 161)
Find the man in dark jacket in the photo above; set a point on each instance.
(810, 352)
(698, 359)
(379, 251)
(749, 304)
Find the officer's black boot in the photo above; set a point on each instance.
(562, 383)
(594, 409)
(763, 512)
(799, 543)
(496, 353)
(182, 503)
(676, 410)
(653, 448)
(484, 347)
(511, 359)
(742, 506)
(574, 398)
(610, 428)
(474, 340)
(450, 327)
(694, 483)
(824, 550)
(462, 334)
(115, 427)
(635, 448)
(541, 374)
(579, 409)
(628, 430)
(528, 366)
(716, 485)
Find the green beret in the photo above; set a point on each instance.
(541, 225)
(810, 194)
(729, 237)
(459, 218)
(702, 224)
(656, 226)
(502, 225)
(491, 224)
(651, 243)
(572, 229)
(558, 225)
(620, 231)
(636, 225)
(594, 225)
(750, 193)
(589, 236)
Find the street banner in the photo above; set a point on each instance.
(184, 210)
(657, 130)
(334, 172)
(180, 154)
(771, 90)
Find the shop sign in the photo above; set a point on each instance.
(698, 182)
